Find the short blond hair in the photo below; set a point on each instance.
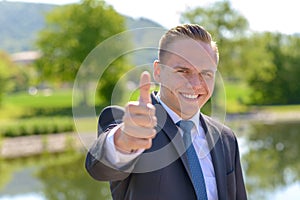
(193, 31)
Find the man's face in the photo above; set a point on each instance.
(187, 76)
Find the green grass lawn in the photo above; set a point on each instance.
(58, 98)
(237, 95)
(18, 104)
(279, 108)
(238, 99)
(21, 104)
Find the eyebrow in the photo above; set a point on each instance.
(188, 68)
(181, 67)
(209, 70)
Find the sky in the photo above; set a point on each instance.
(262, 15)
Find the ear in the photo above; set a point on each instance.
(156, 71)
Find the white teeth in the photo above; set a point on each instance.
(190, 96)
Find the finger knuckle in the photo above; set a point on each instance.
(148, 143)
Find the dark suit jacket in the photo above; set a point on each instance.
(161, 172)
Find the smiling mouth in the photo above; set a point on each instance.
(191, 96)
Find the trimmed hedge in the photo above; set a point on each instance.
(36, 126)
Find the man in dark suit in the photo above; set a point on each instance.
(141, 149)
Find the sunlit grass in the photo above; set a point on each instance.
(19, 104)
(279, 108)
(237, 95)
(59, 98)
(10, 111)
(88, 124)
(134, 96)
(238, 99)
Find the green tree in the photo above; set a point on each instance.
(267, 62)
(277, 81)
(228, 28)
(7, 69)
(71, 33)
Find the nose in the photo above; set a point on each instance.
(196, 81)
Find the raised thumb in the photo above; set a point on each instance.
(145, 84)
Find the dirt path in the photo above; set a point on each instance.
(38, 144)
(266, 116)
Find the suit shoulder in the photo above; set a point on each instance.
(223, 129)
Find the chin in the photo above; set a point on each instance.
(190, 112)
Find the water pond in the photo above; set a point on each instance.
(270, 158)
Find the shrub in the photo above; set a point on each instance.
(37, 126)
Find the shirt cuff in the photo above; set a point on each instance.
(114, 156)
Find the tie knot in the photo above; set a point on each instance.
(186, 125)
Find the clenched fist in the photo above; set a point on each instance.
(139, 121)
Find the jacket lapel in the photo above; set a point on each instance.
(213, 137)
(166, 125)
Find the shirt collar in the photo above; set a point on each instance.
(176, 118)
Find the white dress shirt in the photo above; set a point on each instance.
(202, 150)
(119, 159)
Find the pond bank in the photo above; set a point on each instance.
(54, 143)
(25, 146)
(265, 116)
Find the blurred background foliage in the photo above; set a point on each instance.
(272, 161)
(258, 68)
(71, 33)
(260, 71)
(268, 62)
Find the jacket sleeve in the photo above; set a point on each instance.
(240, 186)
(96, 162)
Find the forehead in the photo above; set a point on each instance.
(192, 52)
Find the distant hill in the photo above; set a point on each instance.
(20, 22)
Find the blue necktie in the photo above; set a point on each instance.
(194, 164)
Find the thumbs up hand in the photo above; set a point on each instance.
(139, 121)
